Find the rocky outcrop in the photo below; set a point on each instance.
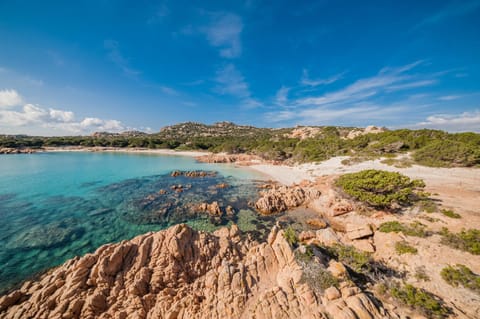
(182, 273)
(193, 174)
(280, 198)
(212, 208)
(368, 130)
(240, 159)
(10, 150)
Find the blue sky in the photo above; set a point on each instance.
(77, 67)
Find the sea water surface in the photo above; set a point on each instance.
(54, 206)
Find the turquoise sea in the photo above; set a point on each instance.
(54, 206)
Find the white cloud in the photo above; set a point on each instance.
(9, 98)
(306, 80)
(61, 116)
(464, 122)
(224, 33)
(31, 119)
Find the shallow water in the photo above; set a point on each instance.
(55, 206)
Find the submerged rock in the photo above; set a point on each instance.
(44, 236)
(193, 174)
(182, 273)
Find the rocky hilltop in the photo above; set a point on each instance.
(182, 273)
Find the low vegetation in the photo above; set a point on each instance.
(416, 229)
(357, 260)
(317, 277)
(467, 240)
(381, 189)
(448, 153)
(429, 147)
(427, 205)
(461, 275)
(402, 247)
(421, 274)
(450, 213)
(421, 300)
(314, 273)
(291, 236)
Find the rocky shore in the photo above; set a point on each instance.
(181, 273)
(8, 150)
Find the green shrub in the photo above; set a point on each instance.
(422, 300)
(291, 236)
(450, 213)
(381, 189)
(318, 278)
(421, 273)
(414, 229)
(467, 240)
(461, 275)
(358, 260)
(427, 205)
(403, 247)
(448, 153)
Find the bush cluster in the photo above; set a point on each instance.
(403, 247)
(358, 260)
(421, 300)
(416, 229)
(450, 213)
(381, 189)
(461, 275)
(467, 240)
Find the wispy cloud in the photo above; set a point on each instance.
(30, 118)
(464, 122)
(389, 94)
(449, 97)
(9, 98)
(231, 82)
(455, 9)
(411, 85)
(160, 12)
(56, 58)
(388, 79)
(338, 116)
(168, 90)
(224, 33)
(306, 80)
(282, 96)
(117, 57)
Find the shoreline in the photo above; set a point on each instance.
(125, 150)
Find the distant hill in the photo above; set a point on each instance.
(288, 145)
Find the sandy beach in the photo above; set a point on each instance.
(126, 150)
